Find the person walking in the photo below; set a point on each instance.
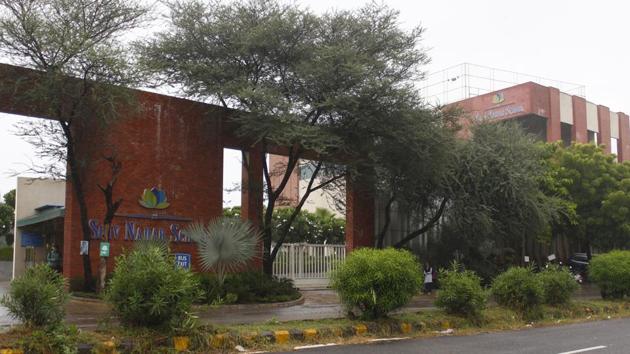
(428, 278)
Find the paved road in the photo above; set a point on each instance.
(600, 337)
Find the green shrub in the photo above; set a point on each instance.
(519, 289)
(245, 288)
(146, 288)
(611, 272)
(317, 227)
(461, 293)
(55, 339)
(558, 285)
(6, 253)
(377, 281)
(37, 298)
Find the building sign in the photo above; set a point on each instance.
(501, 112)
(85, 248)
(182, 260)
(137, 231)
(31, 239)
(498, 97)
(154, 198)
(104, 249)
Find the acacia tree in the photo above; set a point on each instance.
(298, 80)
(490, 191)
(81, 66)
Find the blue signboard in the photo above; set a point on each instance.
(182, 260)
(30, 239)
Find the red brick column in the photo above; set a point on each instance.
(624, 137)
(579, 133)
(359, 215)
(553, 121)
(603, 119)
(252, 186)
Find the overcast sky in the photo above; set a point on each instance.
(581, 41)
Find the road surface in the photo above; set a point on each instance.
(612, 336)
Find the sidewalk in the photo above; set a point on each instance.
(318, 304)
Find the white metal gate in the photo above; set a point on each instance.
(308, 265)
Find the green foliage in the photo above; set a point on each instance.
(38, 297)
(55, 339)
(7, 217)
(9, 198)
(611, 272)
(318, 227)
(558, 285)
(6, 253)
(225, 244)
(461, 293)
(148, 290)
(496, 199)
(589, 181)
(327, 84)
(518, 288)
(245, 288)
(377, 281)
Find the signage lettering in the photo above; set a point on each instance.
(135, 231)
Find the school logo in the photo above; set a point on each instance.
(498, 97)
(154, 198)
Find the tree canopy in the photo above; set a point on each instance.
(330, 84)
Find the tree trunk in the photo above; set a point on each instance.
(388, 220)
(88, 281)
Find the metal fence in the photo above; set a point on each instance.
(308, 265)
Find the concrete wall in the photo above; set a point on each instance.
(566, 108)
(32, 193)
(592, 122)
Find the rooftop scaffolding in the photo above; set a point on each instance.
(468, 80)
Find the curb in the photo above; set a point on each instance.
(264, 306)
(226, 308)
(310, 335)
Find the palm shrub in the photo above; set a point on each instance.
(461, 293)
(558, 285)
(225, 245)
(148, 290)
(518, 288)
(37, 298)
(611, 272)
(377, 281)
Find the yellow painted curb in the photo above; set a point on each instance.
(405, 328)
(217, 340)
(281, 336)
(360, 329)
(309, 333)
(107, 347)
(11, 351)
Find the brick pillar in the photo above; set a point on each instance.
(603, 120)
(252, 193)
(578, 132)
(553, 121)
(359, 215)
(624, 137)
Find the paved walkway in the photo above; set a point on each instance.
(318, 304)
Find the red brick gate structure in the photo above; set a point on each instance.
(176, 146)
